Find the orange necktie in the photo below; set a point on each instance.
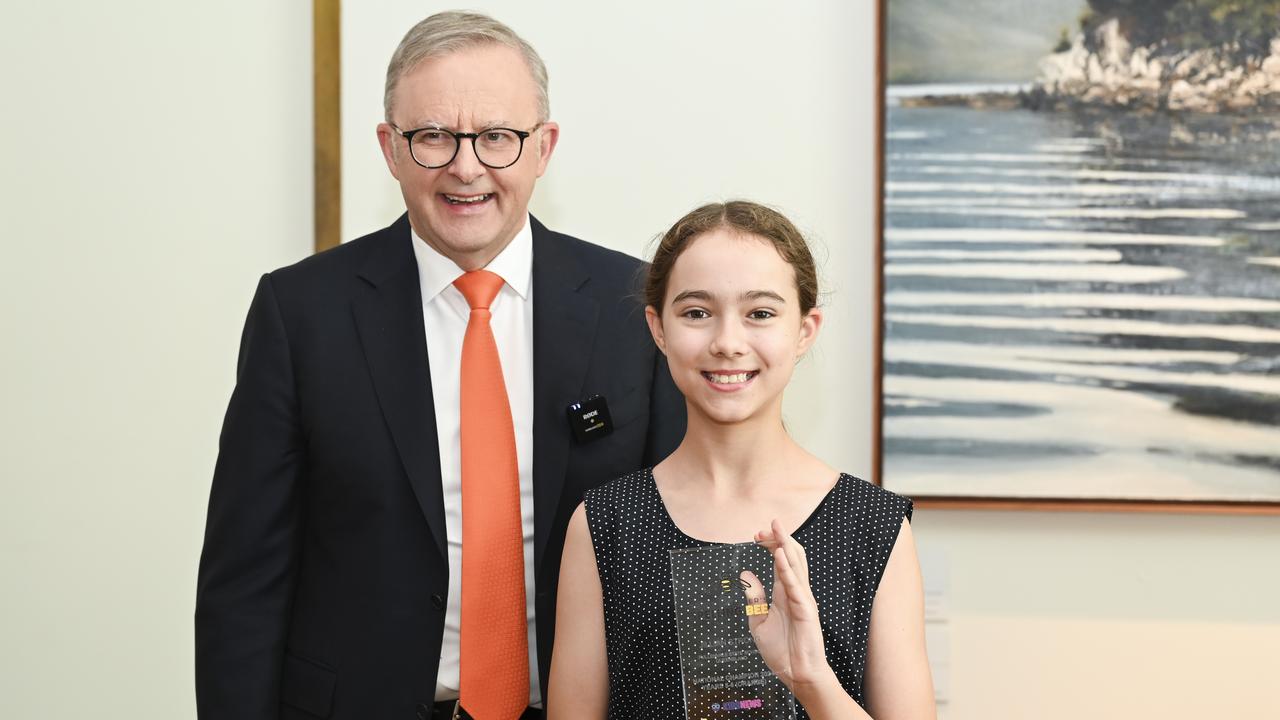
(494, 682)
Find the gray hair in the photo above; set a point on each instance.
(451, 31)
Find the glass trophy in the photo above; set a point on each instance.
(724, 676)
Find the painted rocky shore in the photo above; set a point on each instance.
(1178, 56)
(1107, 70)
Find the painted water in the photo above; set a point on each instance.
(1081, 305)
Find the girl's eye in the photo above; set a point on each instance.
(696, 314)
(761, 314)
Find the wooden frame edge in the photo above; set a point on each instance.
(1182, 507)
(327, 115)
(877, 442)
(939, 502)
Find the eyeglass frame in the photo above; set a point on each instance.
(457, 143)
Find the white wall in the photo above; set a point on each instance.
(126, 281)
(1047, 615)
(156, 160)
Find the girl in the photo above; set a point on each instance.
(732, 295)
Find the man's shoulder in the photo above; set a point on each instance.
(611, 277)
(327, 271)
(598, 258)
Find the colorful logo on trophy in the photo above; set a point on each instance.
(751, 704)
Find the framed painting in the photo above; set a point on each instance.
(1079, 246)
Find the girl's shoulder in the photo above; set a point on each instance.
(620, 491)
(625, 513)
(868, 500)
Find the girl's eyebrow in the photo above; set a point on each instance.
(705, 296)
(702, 295)
(763, 295)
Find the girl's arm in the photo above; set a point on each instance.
(579, 682)
(897, 680)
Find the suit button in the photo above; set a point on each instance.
(424, 712)
(437, 602)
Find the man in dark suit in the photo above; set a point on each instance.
(331, 583)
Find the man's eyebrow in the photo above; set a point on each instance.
(446, 126)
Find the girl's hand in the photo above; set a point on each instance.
(789, 637)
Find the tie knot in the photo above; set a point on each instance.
(479, 287)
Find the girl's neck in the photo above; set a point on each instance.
(726, 482)
(741, 458)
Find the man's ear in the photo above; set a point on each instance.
(548, 136)
(652, 317)
(387, 140)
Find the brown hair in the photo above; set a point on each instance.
(744, 217)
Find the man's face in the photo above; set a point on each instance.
(466, 211)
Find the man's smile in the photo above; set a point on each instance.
(460, 204)
(466, 199)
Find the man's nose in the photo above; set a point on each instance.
(466, 166)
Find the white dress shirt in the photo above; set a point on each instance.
(444, 315)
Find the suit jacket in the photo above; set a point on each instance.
(323, 578)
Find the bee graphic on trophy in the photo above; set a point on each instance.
(754, 606)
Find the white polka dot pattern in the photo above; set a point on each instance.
(847, 541)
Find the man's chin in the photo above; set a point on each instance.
(466, 237)
(470, 247)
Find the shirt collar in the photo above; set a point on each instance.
(514, 265)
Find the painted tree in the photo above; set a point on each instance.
(1245, 27)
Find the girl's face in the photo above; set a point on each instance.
(731, 326)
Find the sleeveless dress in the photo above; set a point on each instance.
(847, 541)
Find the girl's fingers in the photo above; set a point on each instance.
(753, 591)
(785, 571)
(765, 539)
(795, 553)
(786, 574)
(801, 603)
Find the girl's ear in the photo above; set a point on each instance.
(652, 317)
(809, 327)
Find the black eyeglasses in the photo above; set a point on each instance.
(497, 148)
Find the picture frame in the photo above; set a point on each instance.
(327, 119)
(1078, 280)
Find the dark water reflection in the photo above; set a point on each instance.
(1119, 274)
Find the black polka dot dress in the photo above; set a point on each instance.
(847, 541)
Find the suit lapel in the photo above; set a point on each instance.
(564, 328)
(389, 320)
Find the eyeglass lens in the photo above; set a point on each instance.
(497, 148)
